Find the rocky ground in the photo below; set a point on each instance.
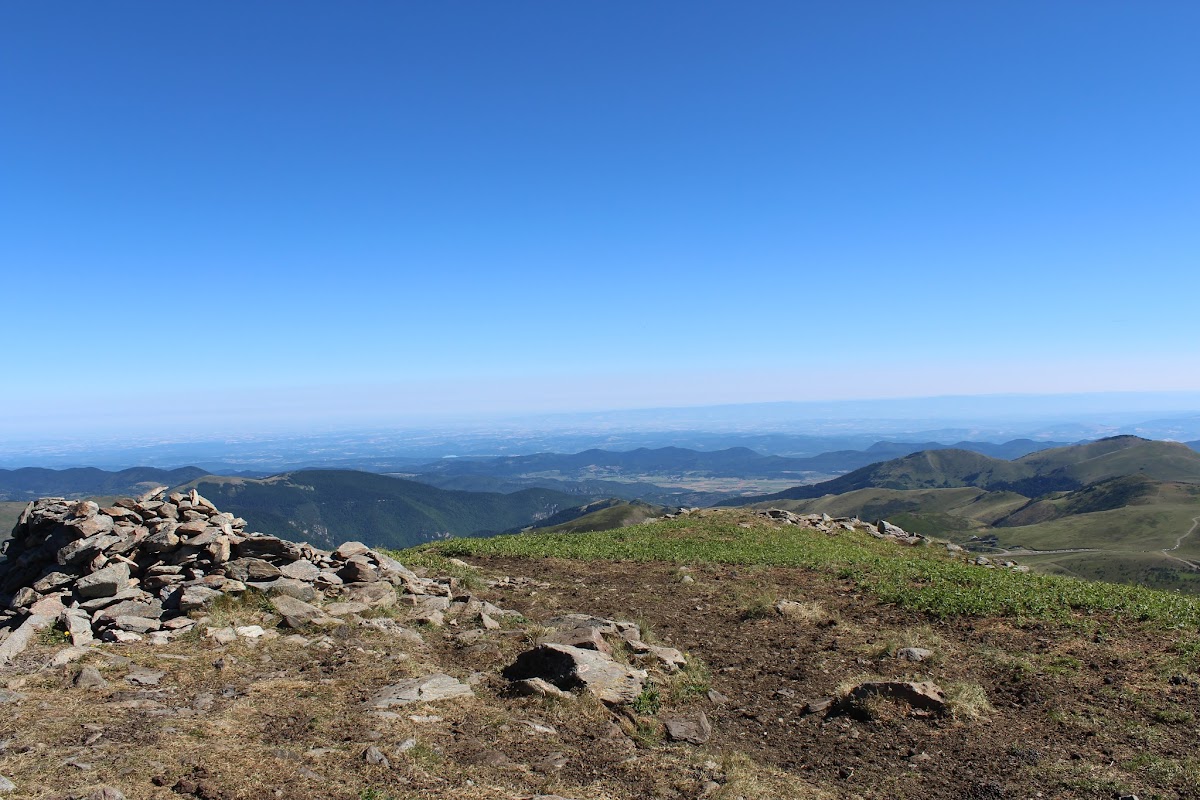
(519, 678)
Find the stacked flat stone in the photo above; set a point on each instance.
(135, 569)
(827, 524)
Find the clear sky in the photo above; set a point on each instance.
(505, 206)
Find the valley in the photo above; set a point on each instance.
(1119, 509)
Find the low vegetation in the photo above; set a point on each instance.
(922, 579)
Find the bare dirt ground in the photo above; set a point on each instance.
(1092, 709)
(1086, 710)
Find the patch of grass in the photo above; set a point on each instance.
(646, 632)
(439, 564)
(1178, 773)
(1173, 716)
(691, 682)
(53, 637)
(383, 612)
(1061, 665)
(924, 579)
(649, 702)
(761, 606)
(1187, 653)
(1084, 720)
(744, 778)
(922, 636)
(647, 733)
(967, 701)
(1091, 780)
(813, 612)
(230, 610)
(371, 793)
(424, 755)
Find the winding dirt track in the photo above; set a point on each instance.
(1178, 542)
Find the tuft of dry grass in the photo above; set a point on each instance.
(745, 778)
(967, 701)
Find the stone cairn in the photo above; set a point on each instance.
(827, 524)
(145, 569)
(134, 570)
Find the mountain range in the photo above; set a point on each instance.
(1124, 509)
(29, 483)
(327, 507)
(733, 462)
(1058, 469)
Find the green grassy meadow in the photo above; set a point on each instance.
(925, 579)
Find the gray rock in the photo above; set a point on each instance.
(913, 653)
(105, 582)
(106, 793)
(926, 695)
(137, 624)
(16, 642)
(573, 668)
(53, 580)
(430, 689)
(195, 597)
(9, 696)
(24, 597)
(297, 613)
(162, 541)
(6, 785)
(344, 609)
(695, 730)
(302, 570)
(373, 755)
(376, 595)
(536, 687)
(289, 586)
(82, 551)
(149, 609)
(359, 569)
(585, 638)
(89, 678)
(131, 594)
(251, 569)
(668, 658)
(347, 550)
(222, 635)
(143, 676)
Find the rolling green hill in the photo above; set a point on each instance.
(1116, 457)
(1122, 508)
(929, 469)
(30, 483)
(933, 512)
(327, 507)
(603, 515)
(1055, 470)
(735, 462)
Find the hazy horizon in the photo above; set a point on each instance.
(1063, 417)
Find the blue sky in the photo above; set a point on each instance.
(482, 206)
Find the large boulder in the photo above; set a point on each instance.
(429, 689)
(104, 582)
(574, 668)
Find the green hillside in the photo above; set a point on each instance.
(933, 512)
(1116, 457)
(1060, 469)
(603, 515)
(1122, 508)
(30, 483)
(929, 469)
(327, 507)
